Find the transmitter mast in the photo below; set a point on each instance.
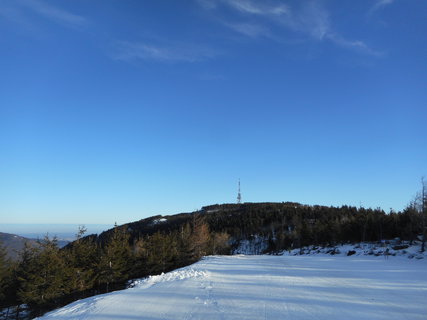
(239, 195)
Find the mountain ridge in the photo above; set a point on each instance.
(14, 243)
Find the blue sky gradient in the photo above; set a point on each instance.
(112, 111)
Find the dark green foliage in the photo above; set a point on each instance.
(199, 238)
(219, 243)
(291, 225)
(165, 251)
(184, 244)
(82, 259)
(6, 281)
(3, 272)
(115, 261)
(161, 252)
(42, 275)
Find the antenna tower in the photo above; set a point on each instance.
(239, 195)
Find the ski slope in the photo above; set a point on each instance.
(269, 287)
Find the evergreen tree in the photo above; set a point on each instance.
(220, 243)
(115, 263)
(184, 244)
(157, 253)
(140, 258)
(82, 258)
(26, 274)
(199, 239)
(42, 274)
(5, 276)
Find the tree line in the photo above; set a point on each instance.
(46, 277)
(292, 225)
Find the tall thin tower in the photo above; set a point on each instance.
(239, 195)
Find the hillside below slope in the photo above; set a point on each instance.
(14, 244)
(269, 287)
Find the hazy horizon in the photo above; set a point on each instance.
(61, 231)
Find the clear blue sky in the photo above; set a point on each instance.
(115, 110)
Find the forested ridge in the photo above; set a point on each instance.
(46, 277)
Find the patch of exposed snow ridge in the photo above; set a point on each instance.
(161, 220)
(255, 245)
(363, 249)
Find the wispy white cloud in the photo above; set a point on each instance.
(21, 12)
(308, 18)
(356, 45)
(133, 51)
(257, 7)
(379, 4)
(14, 15)
(207, 4)
(249, 29)
(262, 8)
(56, 14)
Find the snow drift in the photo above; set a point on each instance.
(269, 287)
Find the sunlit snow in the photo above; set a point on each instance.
(269, 287)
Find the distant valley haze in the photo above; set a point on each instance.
(61, 231)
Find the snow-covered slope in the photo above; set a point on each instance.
(270, 287)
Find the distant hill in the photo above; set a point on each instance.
(14, 244)
(283, 225)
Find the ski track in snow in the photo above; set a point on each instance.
(269, 287)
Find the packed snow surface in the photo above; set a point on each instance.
(270, 287)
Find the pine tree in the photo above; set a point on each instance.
(26, 274)
(140, 257)
(220, 243)
(158, 256)
(115, 261)
(42, 274)
(199, 239)
(423, 213)
(5, 276)
(184, 245)
(82, 259)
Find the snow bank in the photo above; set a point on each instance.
(181, 274)
(320, 287)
